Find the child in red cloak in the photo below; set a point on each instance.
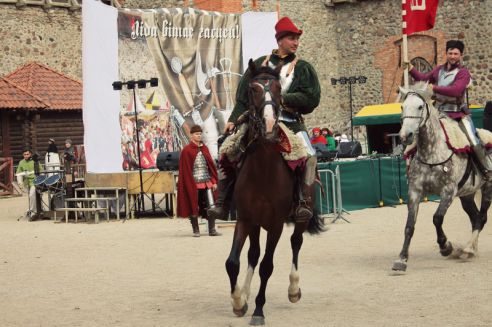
(197, 175)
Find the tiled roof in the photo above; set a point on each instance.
(56, 90)
(14, 97)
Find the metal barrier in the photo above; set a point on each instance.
(336, 193)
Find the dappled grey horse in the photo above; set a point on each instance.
(436, 169)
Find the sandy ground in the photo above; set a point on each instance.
(151, 272)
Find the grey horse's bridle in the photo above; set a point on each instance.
(421, 117)
(422, 123)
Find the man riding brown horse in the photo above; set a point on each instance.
(300, 95)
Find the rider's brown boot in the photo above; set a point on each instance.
(303, 212)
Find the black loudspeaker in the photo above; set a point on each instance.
(325, 156)
(487, 116)
(351, 149)
(168, 161)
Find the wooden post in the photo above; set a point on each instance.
(404, 44)
(6, 135)
(278, 9)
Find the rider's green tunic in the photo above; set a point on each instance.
(302, 96)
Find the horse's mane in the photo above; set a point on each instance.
(420, 88)
(265, 70)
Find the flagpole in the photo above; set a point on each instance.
(404, 43)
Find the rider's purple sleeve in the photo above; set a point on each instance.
(430, 77)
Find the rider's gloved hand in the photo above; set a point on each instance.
(407, 65)
(430, 88)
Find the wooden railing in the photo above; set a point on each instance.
(6, 176)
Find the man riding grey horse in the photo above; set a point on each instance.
(450, 82)
(300, 95)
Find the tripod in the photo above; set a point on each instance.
(132, 85)
(30, 212)
(140, 202)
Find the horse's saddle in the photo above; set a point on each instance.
(455, 138)
(291, 147)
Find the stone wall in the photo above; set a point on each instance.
(31, 33)
(346, 39)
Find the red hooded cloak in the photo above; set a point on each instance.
(187, 191)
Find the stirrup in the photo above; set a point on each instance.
(302, 213)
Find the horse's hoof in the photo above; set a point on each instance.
(241, 312)
(257, 321)
(447, 250)
(467, 254)
(399, 265)
(295, 297)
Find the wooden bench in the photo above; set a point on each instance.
(87, 191)
(92, 202)
(77, 210)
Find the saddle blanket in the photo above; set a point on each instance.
(455, 138)
(291, 147)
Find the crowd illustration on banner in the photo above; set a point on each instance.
(156, 132)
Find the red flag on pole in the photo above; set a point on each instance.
(418, 15)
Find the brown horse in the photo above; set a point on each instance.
(264, 196)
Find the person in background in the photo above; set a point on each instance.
(69, 151)
(330, 141)
(52, 158)
(196, 181)
(344, 138)
(317, 138)
(25, 178)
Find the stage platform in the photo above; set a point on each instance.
(155, 182)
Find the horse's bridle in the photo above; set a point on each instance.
(422, 121)
(266, 89)
(257, 120)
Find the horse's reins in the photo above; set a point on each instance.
(421, 124)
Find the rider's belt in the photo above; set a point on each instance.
(289, 115)
(447, 107)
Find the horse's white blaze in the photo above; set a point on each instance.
(294, 281)
(247, 283)
(237, 300)
(411, 125)
(268, 114)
